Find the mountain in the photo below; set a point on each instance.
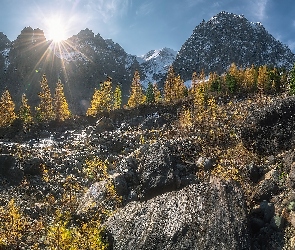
(228, 38)
(154, 64)
(81, 62)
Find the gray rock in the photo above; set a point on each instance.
(104, 124)
(265, 190)
(291, 177)
(33, 166)
(199, 216)
(157, 171)
(277, 222)
(6, 162)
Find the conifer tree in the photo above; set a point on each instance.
(45, 111)
(136, 96)
(250, 79)
(95, 102)
(7, 109)
(117, 98)
(169, 94)
(150, 96)
(25, 112)
(61, 106)
(157, 93)
(262, 79)
(106, 101)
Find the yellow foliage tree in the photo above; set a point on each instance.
(25, 112)
(7, 106)
(45, 111)
(174, 88)
(61, 106)
(136, 96)
(102, 99)
(117, 97)
(262, 79)
(157, 93)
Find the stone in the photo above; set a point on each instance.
(6, 162)
(265, 190)
(33, 166)
(199, 216)
(291, 177)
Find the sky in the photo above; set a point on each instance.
(141, 25)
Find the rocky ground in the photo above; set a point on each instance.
(157, 180)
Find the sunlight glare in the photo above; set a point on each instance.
(56, 29)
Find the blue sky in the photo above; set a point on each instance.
(141, 25)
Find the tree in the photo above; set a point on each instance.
(117, 97)
(157, 93)
(263, 79)
(61, 106)
(106, 101)
(102, 99)
(7, 109)
(136, 96)
(174, 88)
(95, 102)
(25, 113)
(250, 79)
(150, 95)
(45, 111)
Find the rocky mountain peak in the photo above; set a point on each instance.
(228, 38)
(155, 63)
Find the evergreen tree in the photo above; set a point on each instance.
(136, 96)
(45, 111)
(7, 109)
(150, 96)
(117, 98)
(25, 112)
(61, 106)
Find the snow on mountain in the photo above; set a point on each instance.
(154, 64)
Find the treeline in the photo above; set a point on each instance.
(236, 81)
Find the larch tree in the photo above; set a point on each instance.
(169, 95)
(136, 96)
(94, 104)
(262, 79)
(157, 93)
(7, 109)
(25, 113)
(61, 107)
(106, 100)
(44, 110)
(117, 97)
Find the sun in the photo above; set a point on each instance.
(56, 29)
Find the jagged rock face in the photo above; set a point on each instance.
(228, 38)
(5, 45)
(154, 65)
(200, 216)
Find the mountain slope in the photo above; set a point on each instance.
(228, 38)
(154, 64)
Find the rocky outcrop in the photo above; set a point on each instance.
(271, 128)
(200, 216)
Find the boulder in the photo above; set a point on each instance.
(7, 162)
(199, 216)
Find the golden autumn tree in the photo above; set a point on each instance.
(7, 109)
(117, 97)
(250, 79)
(61, 107)
(263, 80)
(25, 113)
(136, 96)
(157, 93)
(102, 99)
(94, 104)
(44, 110)
(169, 94)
